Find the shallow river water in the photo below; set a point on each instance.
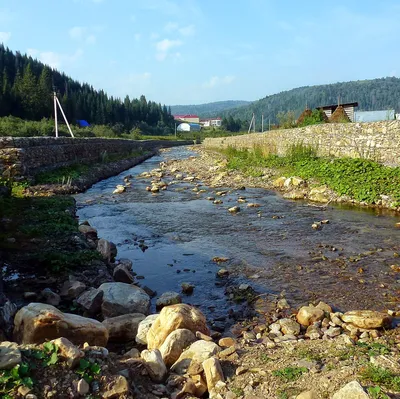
(350, 262)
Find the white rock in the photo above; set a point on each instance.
(154, 364)
(10, 355)
(352, 390)
(121, 298)
(175, 344)
(144, 327)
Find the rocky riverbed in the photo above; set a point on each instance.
(99, 333)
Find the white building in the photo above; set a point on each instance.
(211, 122)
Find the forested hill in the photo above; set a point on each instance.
(207, 110)
(375, 94)
(26, 87)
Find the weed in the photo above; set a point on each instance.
(381, 376)
(374, 348)
(88, 370)
(265, 358)
(11, 379)
(376, 393)
(290, 373)
(237, 391)
(362, 179)
(48, 354)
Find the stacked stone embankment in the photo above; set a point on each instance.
(379, 141)
(25, 157)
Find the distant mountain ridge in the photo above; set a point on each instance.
(374, 94)
(208, 110)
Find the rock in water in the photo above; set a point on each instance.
(121, 298)
(168, 298)
(173, 317)
(39, 322)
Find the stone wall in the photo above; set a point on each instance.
(379, 141)
(25, 157)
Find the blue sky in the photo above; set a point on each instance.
(198, 51)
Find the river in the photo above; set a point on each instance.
(351, 262)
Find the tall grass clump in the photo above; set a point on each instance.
(300, 152)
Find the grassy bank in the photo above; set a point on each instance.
(38, 233)
(361, 179)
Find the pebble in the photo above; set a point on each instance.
(82, 387)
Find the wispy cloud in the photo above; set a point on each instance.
(183, 30)
(83, 34)
(5, 37)
(217, 81)
(139, 77)
(164, 47)
(53, 59)
(137, 37)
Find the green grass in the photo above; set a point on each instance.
(361, 179)
(288, 374)
(72, 172)
(381, 377)
(48, 220)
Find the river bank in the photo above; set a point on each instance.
(274, 353)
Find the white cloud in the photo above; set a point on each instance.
(184, 31)
(164, 46)
(171, 27)
(83, 34)
(77, 32)
(187, 30)
(218, 81)
(5, 37)
(91, 39)
(53, 59)
(139, 77)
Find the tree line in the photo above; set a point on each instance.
(26, 89)
(374, 94)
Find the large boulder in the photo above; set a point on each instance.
(123, 328)
(173, 317)
(107, 249)
(39, 322)
(368, 319)
(144, 327)
(351, 390)
(308, 315)
(175, 344)
(121, 298)
(197, 352)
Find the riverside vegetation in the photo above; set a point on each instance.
(363, 180)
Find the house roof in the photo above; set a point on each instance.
(334, 106)
(185, 116)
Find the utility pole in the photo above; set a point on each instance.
(57, 102)
(175, 130)
(269, 124)
(251, 124)
(254, 123)
(55, 112)
(262, 123)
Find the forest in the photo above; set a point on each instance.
(26, 89)
(375, 94)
